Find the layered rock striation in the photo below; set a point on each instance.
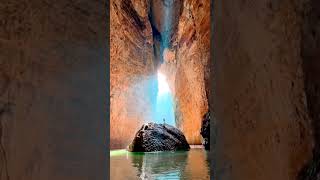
(186, 64)
(131, 63)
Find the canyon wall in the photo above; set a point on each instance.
(265, 89)
(144, 40)
(131, 63)
(186, 64)
(265, 85)
(52, 90)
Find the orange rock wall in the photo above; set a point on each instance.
(131, 62)
(188, 72)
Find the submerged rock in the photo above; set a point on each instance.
(158, 137)
(205, 131)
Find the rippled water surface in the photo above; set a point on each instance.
(191, 164)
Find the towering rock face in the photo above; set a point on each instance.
(164, 17)
(186, 64)
(159, 34)
(265, 85)
(52, 89)
(131, 63)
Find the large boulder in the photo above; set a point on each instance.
(205, 131)
(158, 137)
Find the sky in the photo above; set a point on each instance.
(164, 102)
(151, 99)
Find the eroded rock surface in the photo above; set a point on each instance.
(158, 137)
(186, 65)
(260, 103)
(131, 63)
(53, 90)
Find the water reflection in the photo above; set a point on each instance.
(163, 165)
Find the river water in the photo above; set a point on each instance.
(178, 165)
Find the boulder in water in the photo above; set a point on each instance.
(158, 137)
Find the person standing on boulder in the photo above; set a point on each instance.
(164, 121)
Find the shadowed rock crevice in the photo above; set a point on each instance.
(5, 109)
(4, 166)
(311, 64)
(128, 8)
(310, 54)
(3, 158)
(164, 18)
(205, 130)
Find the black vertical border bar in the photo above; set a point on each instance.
(107, 108)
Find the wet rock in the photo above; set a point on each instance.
(205, 131)
(158, 137)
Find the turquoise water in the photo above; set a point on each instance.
(191, 164)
